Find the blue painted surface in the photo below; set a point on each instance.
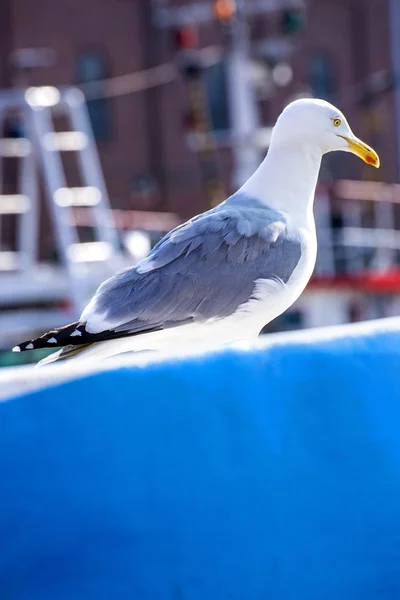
(264, 475)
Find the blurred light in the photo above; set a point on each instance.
(64, 141)
(38, 97)
(138, 244)
(9, 261)
(14, 204)
(90, 252)
(282, 74)
(84, 196)
(186, 38)
(15, 147)
(225, 10)
(75, 97)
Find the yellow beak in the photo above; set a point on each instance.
(363, 151)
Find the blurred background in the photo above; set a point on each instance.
(122, 118)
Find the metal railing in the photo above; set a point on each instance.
(358, 226)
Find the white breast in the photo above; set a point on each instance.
(273, 297)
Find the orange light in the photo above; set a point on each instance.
(225, 10)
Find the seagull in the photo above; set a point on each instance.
(223, 275)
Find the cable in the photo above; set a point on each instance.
(130, 83)
(143, 80)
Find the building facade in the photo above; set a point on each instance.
(342, 53)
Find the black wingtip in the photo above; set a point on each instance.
(75, 334)
(29, 345)
(52, 339)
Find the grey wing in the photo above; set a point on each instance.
(204, 269)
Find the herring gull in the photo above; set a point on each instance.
(224, 274)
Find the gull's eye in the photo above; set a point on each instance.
(337, 122)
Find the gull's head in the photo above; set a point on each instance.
(318, 123)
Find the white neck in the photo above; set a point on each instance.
(286, 179)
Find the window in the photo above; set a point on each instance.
(92, 67)
(215, 78)
(321, 77)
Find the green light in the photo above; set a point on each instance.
(293, 21)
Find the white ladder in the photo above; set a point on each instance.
(40, 151)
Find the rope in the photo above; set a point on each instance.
(142, 80)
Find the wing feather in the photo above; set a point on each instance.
(211, 263)
(205, 268)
